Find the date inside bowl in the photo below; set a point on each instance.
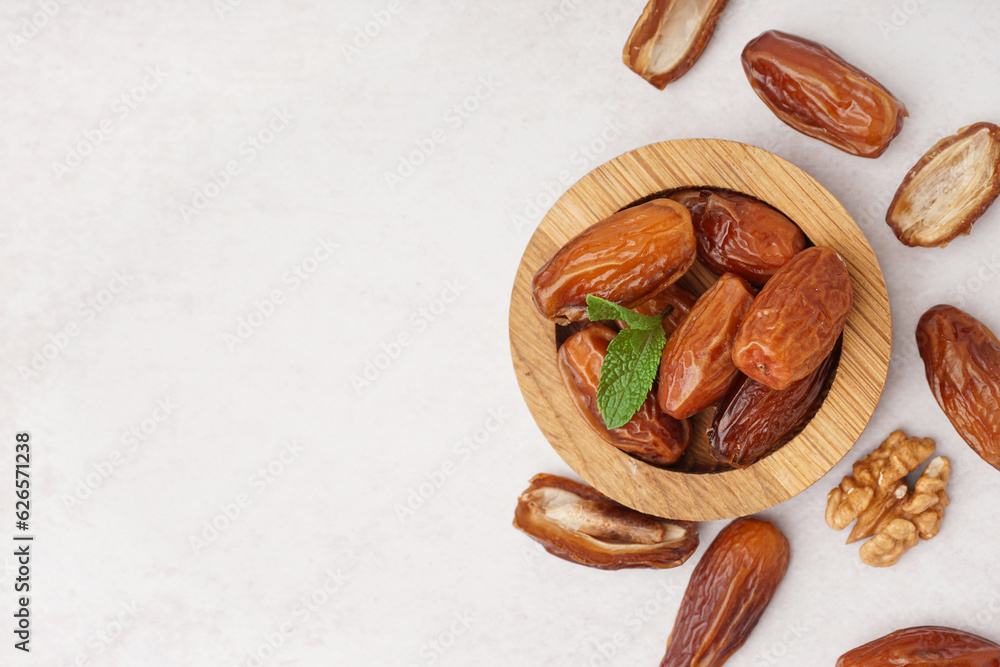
(750, 412)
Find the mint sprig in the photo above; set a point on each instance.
(631, 363)
(602, 309)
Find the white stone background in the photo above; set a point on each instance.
(455, 571)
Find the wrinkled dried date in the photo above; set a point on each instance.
(651, 435)
(754, 420)
(739, 234)
(696, 368)
(728, 592)
(675, 297)
(669, 37)
(626, 258)
(818, 93)
(962, 363)
(949, 188)
(576, 523)
(796, 319)
(925, 646)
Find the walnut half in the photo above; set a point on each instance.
(878, 497)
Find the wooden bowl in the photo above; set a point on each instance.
(697, 488)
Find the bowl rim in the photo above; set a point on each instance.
(852, 397)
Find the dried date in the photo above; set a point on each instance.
(796, 319)
(739, 234)
(626, 258)
(729, 590)
(815, 91)
(962, 363)
(650, 436)
(948, 189)
(576, 523)
(925, 646)
(669, 37)
(755, 420)
(696, 368)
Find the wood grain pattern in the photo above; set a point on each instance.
(701, 490)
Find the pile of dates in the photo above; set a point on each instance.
(760, 345)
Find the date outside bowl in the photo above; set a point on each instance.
(698, 488)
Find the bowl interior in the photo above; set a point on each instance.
(697, 458)
(680, 492)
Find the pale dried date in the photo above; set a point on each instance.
(796, 319)
(696, 368)
(669, 37)
(626, 258)
(729, 590)
(755, 420)
(576, 523)
(740, 234)
(651, 435)
(948, 189)
(925, 646)
(815, 91)
(962, 363)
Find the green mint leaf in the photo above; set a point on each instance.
(602, 309)
(628, 372)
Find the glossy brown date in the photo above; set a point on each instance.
(739, 234)
(925, 646)
(626, 258)
(962, 363)
(755, 420)
(815, 91)
(796, 319)
(669, 37)
(696, 368)
(576, 523)
(729, 590)
(948, 189)
(651, 435)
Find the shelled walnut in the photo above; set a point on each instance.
(877, 496)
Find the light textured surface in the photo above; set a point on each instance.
(432, 260)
